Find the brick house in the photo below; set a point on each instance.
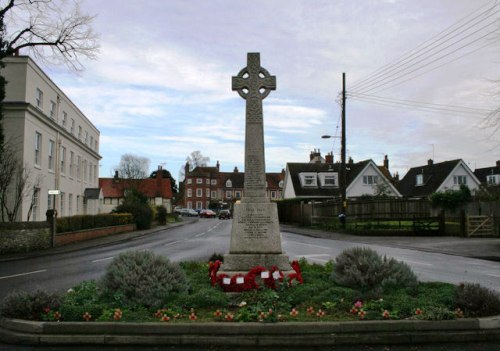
(208, 187)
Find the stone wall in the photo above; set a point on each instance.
(23, 237)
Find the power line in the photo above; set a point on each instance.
(428, 47)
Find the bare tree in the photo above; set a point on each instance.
(133, 167)
(53, 31)
(195, 159)
(16, 184)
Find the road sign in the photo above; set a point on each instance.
(54, 192)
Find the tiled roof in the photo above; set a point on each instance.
(352, 171)
(151, 187)
(482, 173)
(433, 176)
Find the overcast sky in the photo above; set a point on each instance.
(161, 87)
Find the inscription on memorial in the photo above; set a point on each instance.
(255, 223)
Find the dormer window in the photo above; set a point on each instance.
(419, 180)
(308, 179)
(492, 179)
(329, 179)
(280, 184)
(229, 183)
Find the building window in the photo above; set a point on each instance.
(71, 164)
(85, 170)
(91, 141)
(77, 204)
(79, 133)
(189, 205)
(63, 160)
(86, 137)
(199, 205)
(328, 179)
(491, 179)
(229, 194)
(199, 192)
(52, 112)
(459, 180)
(214, 194)
(280, 184)
(207, 181)
(49, 202)
(370, 180)
(273, 194)
(213, 182)
(72, 129)
(51, 154)
(91, 172)
(64, 119)
(199, 181)
(237, 194)
(36, 203)
(207, 192)
(63, 198)
(229, 183)
(39, 98)
(308, 179)
(190, 181)
(189, 192)
(419, 180)
(78, 167)
(95, 174)
(95, 145)
(38, 148)
(70, 204)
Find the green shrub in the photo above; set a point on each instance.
(365, 269)
(161, 215)
(29, 305)
(477, 301)
(85, 293)
(82, 222)
(74, 313)
(216, 257)
(204, 297)
(143, 278)
(142, 213)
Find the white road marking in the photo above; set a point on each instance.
(172, 243)
(201, 234)
(22, 274)
(310, 245)
(493, 275)
(103, 259)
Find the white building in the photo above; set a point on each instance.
(54, 139)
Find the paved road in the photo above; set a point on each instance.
(198, 240)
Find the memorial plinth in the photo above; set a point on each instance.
(255, 234)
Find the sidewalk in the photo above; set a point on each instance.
(482, 248)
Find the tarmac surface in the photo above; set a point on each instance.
(481, 248)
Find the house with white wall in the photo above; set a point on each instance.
(422, 181)
(319, 179)
(56, 142)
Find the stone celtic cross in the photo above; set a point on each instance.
(253, 83)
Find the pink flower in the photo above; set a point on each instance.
(228, 317)
(87, 316)
(418, 311)
(358, 304)
(361, 314)
(386, 314)
(294, 312)
(165, 318)
(310, 310)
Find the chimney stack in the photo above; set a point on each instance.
(235, 170)
(498, 163)
(329, 158)
(386, 162)
(430, 162)
(217, 165)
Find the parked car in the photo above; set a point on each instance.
(225, 214)
(207, 214)
(189, 212)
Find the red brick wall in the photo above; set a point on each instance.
(67, 238)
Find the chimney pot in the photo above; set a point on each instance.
(498, 163)
(430, 162)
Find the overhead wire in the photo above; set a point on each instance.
(406, 61)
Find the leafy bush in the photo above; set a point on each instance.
(365, 269)
(204, 297)
(477, 301)
(82, 222)
(29, 305)
(161, 215)
(85, 293)
(451, 199)
(74, 313)
(136, 203)
(143, 278)
(216, 257)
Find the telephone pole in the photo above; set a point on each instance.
(343, 182)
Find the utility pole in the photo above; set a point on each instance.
(343, 182)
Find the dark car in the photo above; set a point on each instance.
(225, 214)
(207, 214)
(189, 212)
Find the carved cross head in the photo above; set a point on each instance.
(253, 80)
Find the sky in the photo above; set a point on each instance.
(161, 85)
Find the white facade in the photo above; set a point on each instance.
(461, 174)
(55, 140)
(367, 182)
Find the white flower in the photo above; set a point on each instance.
(70, 291)
(242, 304)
